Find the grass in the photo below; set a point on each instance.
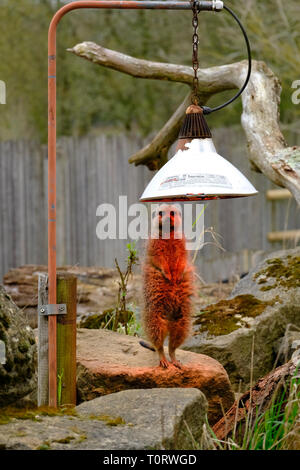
(276, 428)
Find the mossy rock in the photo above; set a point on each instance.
(256, 315)
(277, 274)
(18, 374)
(229, 315)
(104, 319)
(280, 272)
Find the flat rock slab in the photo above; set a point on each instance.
(109, 362)
(128, 420)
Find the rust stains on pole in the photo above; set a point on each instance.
(164, 5)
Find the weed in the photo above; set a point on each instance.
(121, 310)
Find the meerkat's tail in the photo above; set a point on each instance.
(147, 346)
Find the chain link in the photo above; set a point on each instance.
(194, 97)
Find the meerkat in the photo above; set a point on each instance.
(167, 285)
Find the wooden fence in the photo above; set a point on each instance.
(94, 170)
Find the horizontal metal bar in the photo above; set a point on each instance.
(53, 309)
(208, 5)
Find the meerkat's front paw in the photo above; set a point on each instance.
(177, 364)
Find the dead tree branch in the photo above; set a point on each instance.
(268, 150)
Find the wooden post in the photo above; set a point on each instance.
(284, 235)
(43, 369)
(66, 340)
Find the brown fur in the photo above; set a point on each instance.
(167, 286)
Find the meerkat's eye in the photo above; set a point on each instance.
(172, 214)
(161, 213)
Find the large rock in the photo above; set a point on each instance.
(128, 420)
(18, 373)
(259, 309)
(289, 346)
(109, 362)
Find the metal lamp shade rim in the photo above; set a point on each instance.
(197, 173)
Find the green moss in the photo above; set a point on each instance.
(4, 319)
(95, 321)
(266, 288)
(45, 446)
(33, 413)
(284, 273)
(20, 434)
(109, 420)
(23, 347)
(104, 319)
(221, 318)
(65, 440)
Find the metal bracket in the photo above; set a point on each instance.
(217, 5)
(53, 309)
(210, 5)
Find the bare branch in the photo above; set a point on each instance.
(141, 68)
(268, 151)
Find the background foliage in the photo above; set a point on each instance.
(91, 98)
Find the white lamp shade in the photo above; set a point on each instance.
(198, 172)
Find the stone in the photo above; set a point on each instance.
(108, 362)
(128, 420)
(18, 372)
(259, 398)
(257, 312)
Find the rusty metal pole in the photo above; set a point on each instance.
(131, 5)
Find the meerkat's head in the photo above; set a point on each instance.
(167, 217)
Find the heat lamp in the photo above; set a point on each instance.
(196, 171)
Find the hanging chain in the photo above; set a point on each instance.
(194, 97)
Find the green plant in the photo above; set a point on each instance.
(134, 327)
(59, 387)
(273, 429)
(121, 310)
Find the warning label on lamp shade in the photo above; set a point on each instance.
(195, 179)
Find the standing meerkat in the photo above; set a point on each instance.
(167, 285)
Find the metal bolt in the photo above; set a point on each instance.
(61, 309)
(217, 5)
(42, 310)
